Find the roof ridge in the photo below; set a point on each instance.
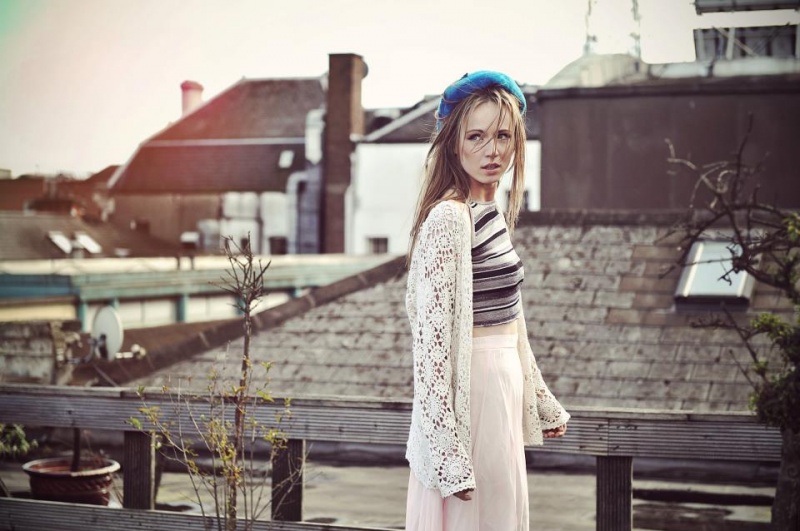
(424, 108)
(280, 78)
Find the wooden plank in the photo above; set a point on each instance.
(696, 439)
(138, 479)
(374, 421)
(587, 436)
(287, 481)
(614, 491)
(35, 515)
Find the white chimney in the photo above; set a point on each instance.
(191, 96)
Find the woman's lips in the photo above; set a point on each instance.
(491, 166)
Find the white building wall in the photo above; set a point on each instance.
(275, 213)
(383, 193)
(239, 229)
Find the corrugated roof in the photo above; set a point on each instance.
(25, 237)
(600, 316)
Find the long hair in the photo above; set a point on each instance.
(445, 178)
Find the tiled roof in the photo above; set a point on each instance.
(600, 316)
(102, 176)
(266, 108)
(231, 143)
(15, 193)
(413, 126)
(209, 168)
(25, 237)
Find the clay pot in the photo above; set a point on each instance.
(51, 479)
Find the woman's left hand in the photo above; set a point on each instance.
(555, 432)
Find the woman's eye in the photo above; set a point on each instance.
(504, 136)
(474, 137)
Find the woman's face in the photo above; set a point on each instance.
(487, 147)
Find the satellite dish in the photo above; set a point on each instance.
(107, 333)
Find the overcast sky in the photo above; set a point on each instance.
(83, 82)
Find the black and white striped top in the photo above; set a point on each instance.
(497, 271)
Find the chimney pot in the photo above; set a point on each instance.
(191, 96)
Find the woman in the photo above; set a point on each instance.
(478, 394)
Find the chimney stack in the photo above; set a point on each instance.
(344, 121)
(191, 96)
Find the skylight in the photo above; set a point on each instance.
(702, 279)
(60, 240)
(88, 243)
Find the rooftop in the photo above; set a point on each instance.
(252, 108)
(599, 309)
(621, 74)
(234, 142)
(25, 237)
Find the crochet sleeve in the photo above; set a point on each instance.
(550, 411)
(432, 347)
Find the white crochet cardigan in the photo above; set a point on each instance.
(439, 306)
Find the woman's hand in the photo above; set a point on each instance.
(464, 495)
(555, 432)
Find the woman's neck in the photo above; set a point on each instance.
(482, 193)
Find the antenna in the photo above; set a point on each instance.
(613, 26)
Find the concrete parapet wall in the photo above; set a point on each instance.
(29, 350)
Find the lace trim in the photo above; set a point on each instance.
(438, 284)
(439, 305)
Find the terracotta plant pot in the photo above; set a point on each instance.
(52, 480)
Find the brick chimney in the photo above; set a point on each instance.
(191, 96)
(344, 120)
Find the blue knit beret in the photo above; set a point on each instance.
(471, 83)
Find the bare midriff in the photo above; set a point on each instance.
(506, 329)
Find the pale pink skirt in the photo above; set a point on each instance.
(500, 500)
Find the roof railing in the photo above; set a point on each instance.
(613, 436)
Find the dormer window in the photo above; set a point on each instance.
(707, 279)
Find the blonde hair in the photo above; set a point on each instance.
(445, 178)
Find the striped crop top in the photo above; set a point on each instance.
(497, 271)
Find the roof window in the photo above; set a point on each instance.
(60, 240)
(88, 243)
(707, 279)
(286, 159)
